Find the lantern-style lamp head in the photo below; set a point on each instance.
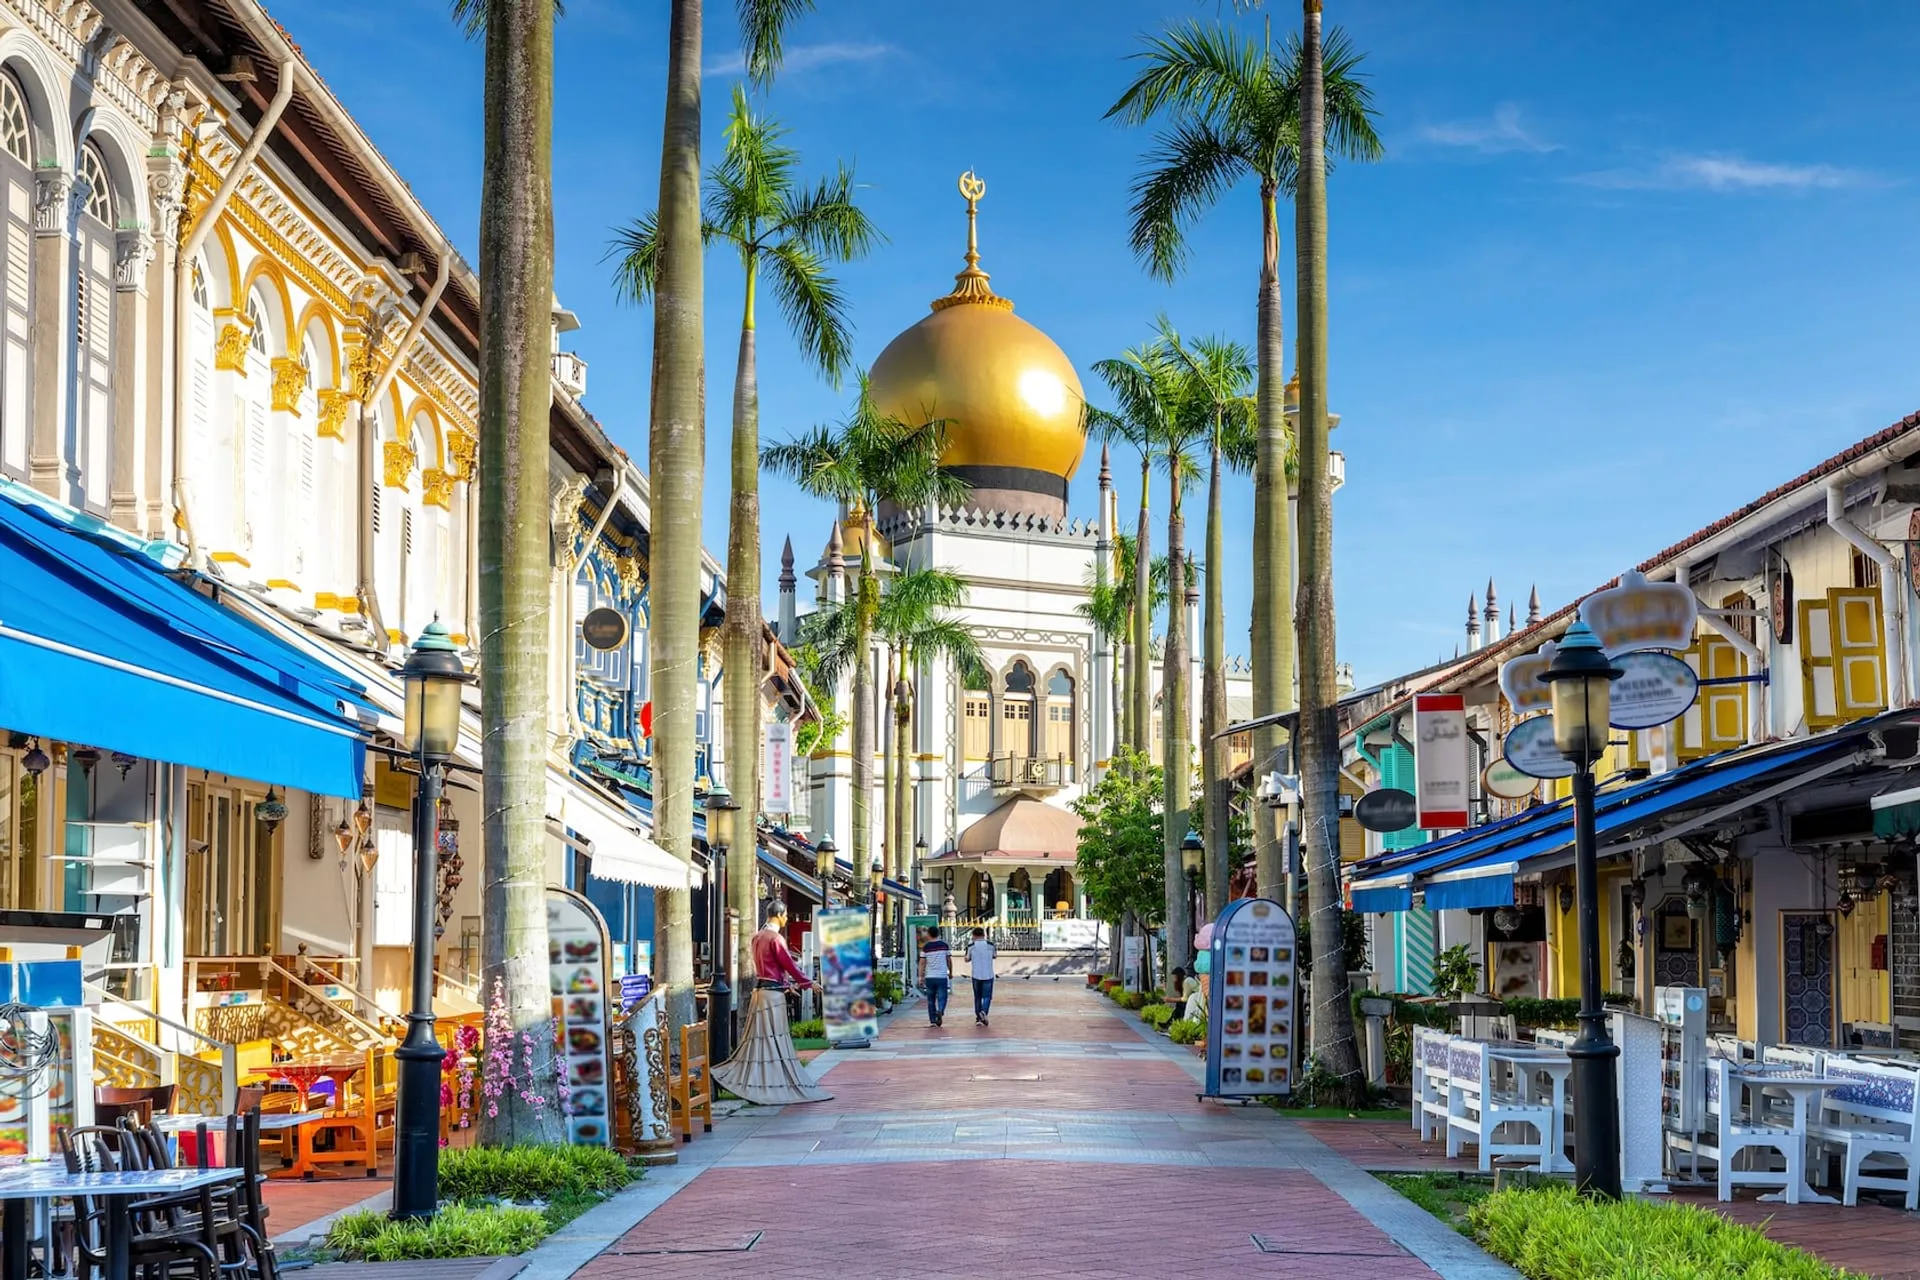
(824, 855)
(1582, 679)
(920, 846)
(721, 811)
(876, 872)
(433, 675)
(1191, 852)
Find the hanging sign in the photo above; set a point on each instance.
(604, 628)
(846, 975)
(577, 956)
(1441, 767)
(646, 719)
(1250, 1000)
(1508, 783)
(1387, 809)
(1653, 689)
(1639, 614)
(1530, 750)
(776, 767)
(1520, 680)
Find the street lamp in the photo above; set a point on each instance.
(824, 855)
(1192, 855)
(874, 876)
(1581, 677)
(721, 812)
(433, 676)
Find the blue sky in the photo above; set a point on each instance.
(1619, 272)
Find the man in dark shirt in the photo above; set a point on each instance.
(936, 973)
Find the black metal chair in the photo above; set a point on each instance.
(99, 1149)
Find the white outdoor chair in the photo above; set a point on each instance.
(1477, 1108)
(1732, 1129)
(1796, 1056)
(1873, 1118)
(1430, 1103)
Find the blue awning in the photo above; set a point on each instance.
(893, 887)
(101, 647)
(804, 885)
(1478, 871)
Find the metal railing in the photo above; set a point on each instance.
(1043, 772)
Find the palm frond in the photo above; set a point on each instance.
(813, 305)
(917, 593)
(826, 219)
(1189, 168)
(1195, 69)
(819, 463)
(1350, 111)
(637, 248)
(830, 636)
(471, 15)
(753, 175)
(763, 25)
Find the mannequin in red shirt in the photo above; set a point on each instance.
(765, 1069)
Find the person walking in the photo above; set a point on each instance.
(936, 973)
(980, 963)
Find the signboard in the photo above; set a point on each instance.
(604, 628)
(634, 988)
(1520, 680)
(1441, 768)
(923, 922)
(846, 975)
(776, 767)
(577, 965)
(1386, 809)
(1250, 1000)
(1639, 614)
(1530, 750)
(1130, 961)
(1508, 783)
(1070, 935)
(1653, 688)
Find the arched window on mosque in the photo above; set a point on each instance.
(976, 715)
(16, 274)
(1060, 716)
(1016, 710)
(93, 325)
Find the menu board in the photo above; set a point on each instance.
(846, 975)
(1250, 1000)
(577, 963)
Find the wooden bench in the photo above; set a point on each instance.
(690, 1083)
(1477, 1109)
(361, 1123)
(1874, 1116)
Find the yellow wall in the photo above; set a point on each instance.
(1864, 991)
(1746, 986)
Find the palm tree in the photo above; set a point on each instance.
(757, 206)
(1109, 606)
(868, 459)
(1221, 377)
(676, 458)
(516, 394)
(1232, 104)
(1319, 732)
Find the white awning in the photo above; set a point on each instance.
(613, 838)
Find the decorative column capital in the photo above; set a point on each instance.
(333, 413)
(289, 381)
(400, 461)
(462, 450)
(52, 196)
(132, 251)
(230, 348)
(436, 488)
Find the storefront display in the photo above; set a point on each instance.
(1250, 1001)
(577, 953)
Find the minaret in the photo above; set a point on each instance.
(836, 586)
(1196, 650)
(1493, 616)
(831, 777)
(789, 623)
(1473, 623)
(1512, 623)
(1533, 607)
(1102, 701)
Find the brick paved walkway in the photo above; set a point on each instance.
(1060, 1142)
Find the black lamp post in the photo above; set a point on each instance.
(433, 676)
(1192, 855)
(824, 855)
(875, 874)
(1582, 677)
(721, 811)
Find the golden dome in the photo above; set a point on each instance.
(1011, 400)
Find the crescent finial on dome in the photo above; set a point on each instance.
(971, 286)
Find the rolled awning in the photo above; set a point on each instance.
(619, 849)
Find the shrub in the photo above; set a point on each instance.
(1157, 1015)
(1553, 1233)
(530, 1172)
(1130, 999)
(1528, 1012)
(889, 986)
(1187, 1030)
(809, 1029)
(456, 1231)
(1455, 973)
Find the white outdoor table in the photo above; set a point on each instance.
(1558, 1066)
(24, 1184)
(1804, 1091)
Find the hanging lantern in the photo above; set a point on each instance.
(86, 758)
(1506, 920)
(124, 763)
(36, 761)
(272, 811)
(1566, 898)
(1846, 903)
(1637, 893)
(1697, 883)
(1623, 960)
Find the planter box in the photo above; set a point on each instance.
(1371, 1008)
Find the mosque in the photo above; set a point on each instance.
(993, 768)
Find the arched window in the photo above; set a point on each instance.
(213, 493)
(1060, 715)
(16, 274)
(93, 330)
(1016, 710)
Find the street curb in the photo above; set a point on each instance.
(300, 1235)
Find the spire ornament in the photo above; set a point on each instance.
(971, 286)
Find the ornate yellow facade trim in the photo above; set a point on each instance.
(231, 557)
(289, 382)
(230, 349)
(400, 462)
(463, 449)
(333, 413)
(631, 570)
(436, 488)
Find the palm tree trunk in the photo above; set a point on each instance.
(903, 786)
(1174, 710)
(676, 461)
(889, 777)
(516, 395)
(1319, 740)
(1213, 715)
(1122, 689)
(741, 637)
(1272, 553)
(1142, 651)
(866, 589)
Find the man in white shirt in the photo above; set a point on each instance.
(936, 968)
(980, 959)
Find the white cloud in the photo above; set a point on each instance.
(1503, 132)
(1726, 173)
(810, 57)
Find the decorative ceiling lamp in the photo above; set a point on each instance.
(272, 811)
(86, 758)
(124, 763)
(36, 761)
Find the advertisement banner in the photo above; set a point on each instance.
(846, 975)
(776, 768)
(1071, 935)
(1442, 765)
(577, 956)
(1251, 992)
(1130, 953)
(1639, 614)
